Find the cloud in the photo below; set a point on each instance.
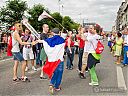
(99, 11)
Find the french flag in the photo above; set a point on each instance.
(54, 48)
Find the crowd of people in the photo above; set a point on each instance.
(3, 44)
(118, 44)
(25, 47)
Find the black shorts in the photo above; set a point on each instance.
(91, 61)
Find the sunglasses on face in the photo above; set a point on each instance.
(19, 25)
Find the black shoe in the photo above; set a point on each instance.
(42, 78)
(81, 75)
(124, 65)
(17, 79)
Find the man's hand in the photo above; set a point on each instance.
(34, 42)
(39, 41)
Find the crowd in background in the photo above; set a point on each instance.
(118, 44)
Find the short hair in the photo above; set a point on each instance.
(16, 22)
(44, 25)
(119, 34)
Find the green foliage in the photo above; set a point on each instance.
(57, 17)
(35, 12)
(69, 24)
(13, 11)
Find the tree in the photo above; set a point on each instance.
(57, 17)
(13, 11)
(69, 24)
(35, 12)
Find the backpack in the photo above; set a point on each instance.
(100, 47)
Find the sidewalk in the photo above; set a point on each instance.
(4, 56)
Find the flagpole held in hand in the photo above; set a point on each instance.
(46, 15)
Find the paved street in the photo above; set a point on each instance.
(112, 79)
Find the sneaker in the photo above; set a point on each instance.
(57, 89)
(26, 69)
(41, 78)
(78, 70)
(81, 75)
(33, 68)
(86, 71)
(51, 89)
(123, 65)
(94, 84)
(25, 79)
(70, 68)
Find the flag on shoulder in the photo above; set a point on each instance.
(54, 48)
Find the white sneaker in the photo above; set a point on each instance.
(51, 90)
(33, 68)
(94, 84)
(26, 69)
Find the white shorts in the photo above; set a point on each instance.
(28, 53)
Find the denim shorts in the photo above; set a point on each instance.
(18, 56)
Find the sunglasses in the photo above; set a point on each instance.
(19, 25)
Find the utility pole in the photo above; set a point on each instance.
(61, 6)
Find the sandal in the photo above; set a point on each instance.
(17, 79)
(25, 79)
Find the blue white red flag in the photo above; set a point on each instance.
(54, 48)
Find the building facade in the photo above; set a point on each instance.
(122, 16)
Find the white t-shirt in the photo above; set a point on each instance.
(126, 40)
(109, 38)
(92, 42)
(64, 35)
(86, 47)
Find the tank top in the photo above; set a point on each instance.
(15, 44)
(66, 43)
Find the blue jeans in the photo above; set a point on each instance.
(125, 55)
(38, 61)
(57, 76)
(81, 50)
(70, 57)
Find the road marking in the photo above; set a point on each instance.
(5, 60)
(120, 78)
(32, 71)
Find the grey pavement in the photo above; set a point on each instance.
(71, 84)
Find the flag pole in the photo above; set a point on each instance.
(59, 23)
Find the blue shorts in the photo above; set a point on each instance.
(18, 56)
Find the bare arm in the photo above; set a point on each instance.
(69, 42)
(125, 33)
(17, 37)
(39, 41)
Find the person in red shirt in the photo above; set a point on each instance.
(9, 46)
(69, 50)
(81, 48)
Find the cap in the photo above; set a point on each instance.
(56, 30)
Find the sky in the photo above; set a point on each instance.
(103, 12)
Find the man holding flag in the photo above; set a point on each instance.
(54, 48)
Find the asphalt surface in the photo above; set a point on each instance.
(71, 83)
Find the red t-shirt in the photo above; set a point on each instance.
(66, 43)
(81, 43)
